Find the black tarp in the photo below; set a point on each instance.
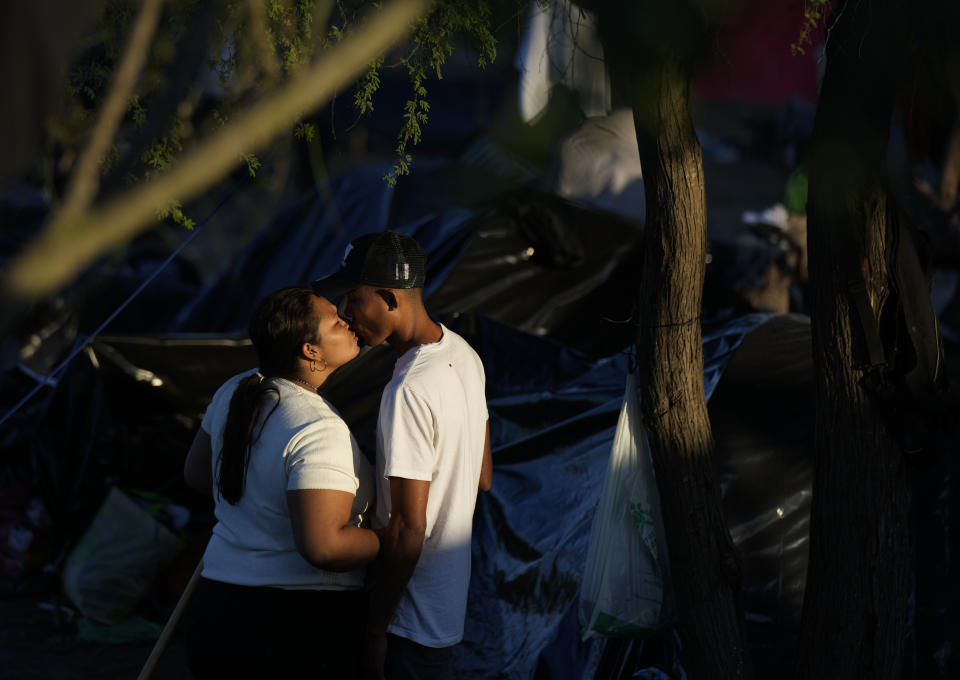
(544, 291)
(530, 260)
(762, 417)
(553, 414)
(554, 421)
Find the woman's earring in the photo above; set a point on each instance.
(324, 360)
(313, 365)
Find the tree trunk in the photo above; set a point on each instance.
(855, 605)
(704, 562)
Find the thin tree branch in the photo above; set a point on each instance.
(86, 176)
(67, 244)
(403, 60)
(261, 38)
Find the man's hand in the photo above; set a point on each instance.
(374, 655)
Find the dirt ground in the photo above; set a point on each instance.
(34, 647)
(37, 642)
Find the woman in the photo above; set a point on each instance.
(280, 594)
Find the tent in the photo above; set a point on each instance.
(543, 290)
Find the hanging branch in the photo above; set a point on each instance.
(262, 40)
(86, 176)
(70, 242)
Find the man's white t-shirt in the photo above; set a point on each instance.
(432, 425)
(302, 444)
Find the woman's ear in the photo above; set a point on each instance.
(309, 350)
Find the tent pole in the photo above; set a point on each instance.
(164, 639)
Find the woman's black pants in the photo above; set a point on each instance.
(236, 631)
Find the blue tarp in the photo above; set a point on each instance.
(308, 239)
(553, 422)
(553, 407)
(543, 291)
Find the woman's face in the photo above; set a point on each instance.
(337, 343)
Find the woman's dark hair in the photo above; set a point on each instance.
(280, 324)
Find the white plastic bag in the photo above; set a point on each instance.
(116, 559)
(626, 585)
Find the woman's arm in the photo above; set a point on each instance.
(321, 529)
(198, 468)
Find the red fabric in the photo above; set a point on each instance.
(751, 58)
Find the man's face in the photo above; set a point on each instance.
(368, 314)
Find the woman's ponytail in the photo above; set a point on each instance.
(238, 437)
(280, 324)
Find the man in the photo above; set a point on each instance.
(433, 452)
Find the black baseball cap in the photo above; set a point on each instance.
(384, 259)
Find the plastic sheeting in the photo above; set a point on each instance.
(553, 423)
(561, 45)
(306, 239)
(762, 416)
(553, 415)
(763, 422)
(543, 290)
(598, 164)
(533, 260)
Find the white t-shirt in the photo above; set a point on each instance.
(303, 444)
(432, 424)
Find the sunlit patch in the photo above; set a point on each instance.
(143, 375)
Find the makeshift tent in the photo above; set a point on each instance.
(543, 290)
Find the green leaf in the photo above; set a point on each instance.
(253, 163)
(305, 131)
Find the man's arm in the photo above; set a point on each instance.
(198, 468)
(400, 544)
(486, 467)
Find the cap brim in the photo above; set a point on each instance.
(333, 286)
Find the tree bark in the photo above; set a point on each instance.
(704, 562)
(855, 605)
